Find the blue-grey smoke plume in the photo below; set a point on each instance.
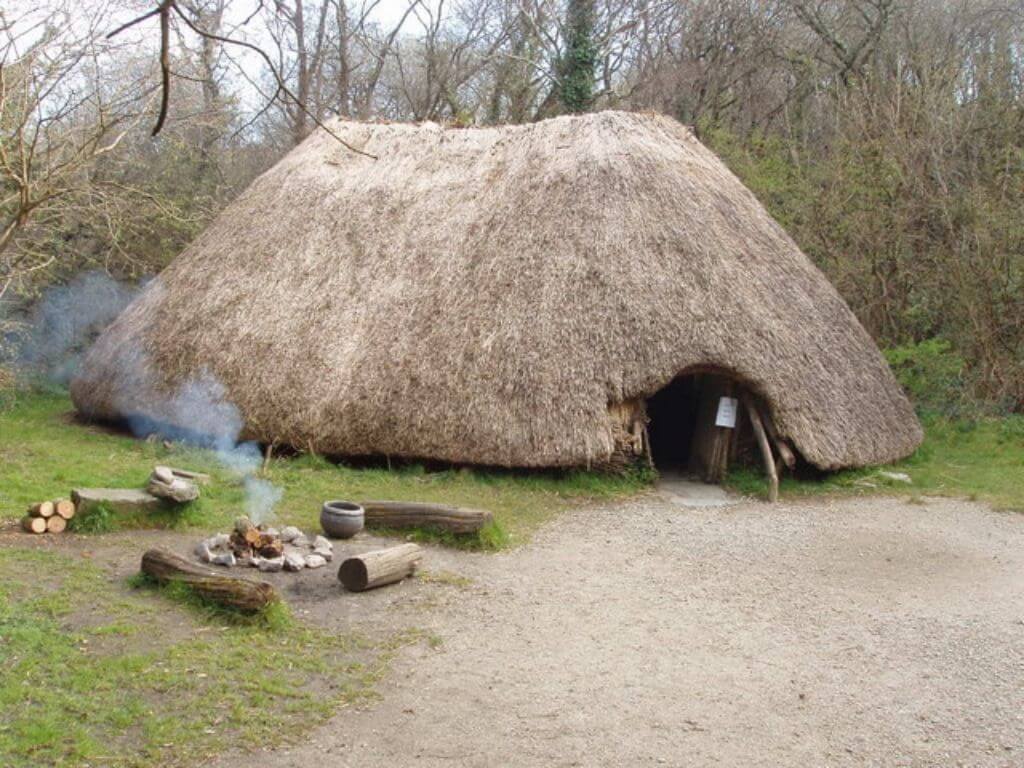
(66, 319)
(200, 412)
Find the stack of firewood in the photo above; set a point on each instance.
(49, 516)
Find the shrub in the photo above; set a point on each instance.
(932, 373)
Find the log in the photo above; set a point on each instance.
(117, 500)
(34, 524)
(65, 508)
(785, 452)
(375, 569)
(42, 509)
(56, 524)
(414, 514)
(238, 593)
(766, 450)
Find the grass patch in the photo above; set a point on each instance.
(150, 681)
(44, 453)
(975, 459)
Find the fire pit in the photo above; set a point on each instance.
(265, 548)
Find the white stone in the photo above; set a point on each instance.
(224, 558)
(315, 561)
(300, 541)
(270, 564)
(289, 533)
(293, 561)
(322, 542)
(203, 552)
(220, 541)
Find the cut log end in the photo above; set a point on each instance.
(42, 509)
(34, 524)
(65, 508)
(376, 569)
(56, 524)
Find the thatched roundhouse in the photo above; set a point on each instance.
(552, 294)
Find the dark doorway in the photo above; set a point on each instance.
(684, 437)
(672, 414)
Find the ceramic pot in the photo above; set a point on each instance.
(341, 519)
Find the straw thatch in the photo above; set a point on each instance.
(485, 295)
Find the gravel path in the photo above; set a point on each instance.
(854, 632)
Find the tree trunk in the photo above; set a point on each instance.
(375, 569)
(234, 592)
(414, 514)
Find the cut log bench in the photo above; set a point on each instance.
(414, 514)
(375, 569)
(235, 592)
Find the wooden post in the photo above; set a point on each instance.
(375, 569)
(785, 452)
(766, 450)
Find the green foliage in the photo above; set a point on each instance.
(1011, 429)
(932, 373)
(276, 617)
(976, 458)
(44, 453)
(93, 675)
(98, 519)
(576, 67)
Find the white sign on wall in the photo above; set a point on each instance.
(726, 416)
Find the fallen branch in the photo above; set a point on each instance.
(414, 514)
(240, 594)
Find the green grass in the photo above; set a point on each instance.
(95, 673)
(44, 454)
(979, 459)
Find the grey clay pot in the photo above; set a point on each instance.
(341, 519)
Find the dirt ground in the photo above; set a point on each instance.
(851, 632)
(854, 632)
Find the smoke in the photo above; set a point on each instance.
(66, 319)
(60, 327)
(201, 413)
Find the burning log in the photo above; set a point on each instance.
(234, 592)
(375, 569)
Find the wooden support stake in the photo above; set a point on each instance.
(785, 452)
(766, 450)
(241, 594)
(375, 569)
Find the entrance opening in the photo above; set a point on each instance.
(672, 414)
(684, 439)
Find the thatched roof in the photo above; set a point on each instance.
(483, 295)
